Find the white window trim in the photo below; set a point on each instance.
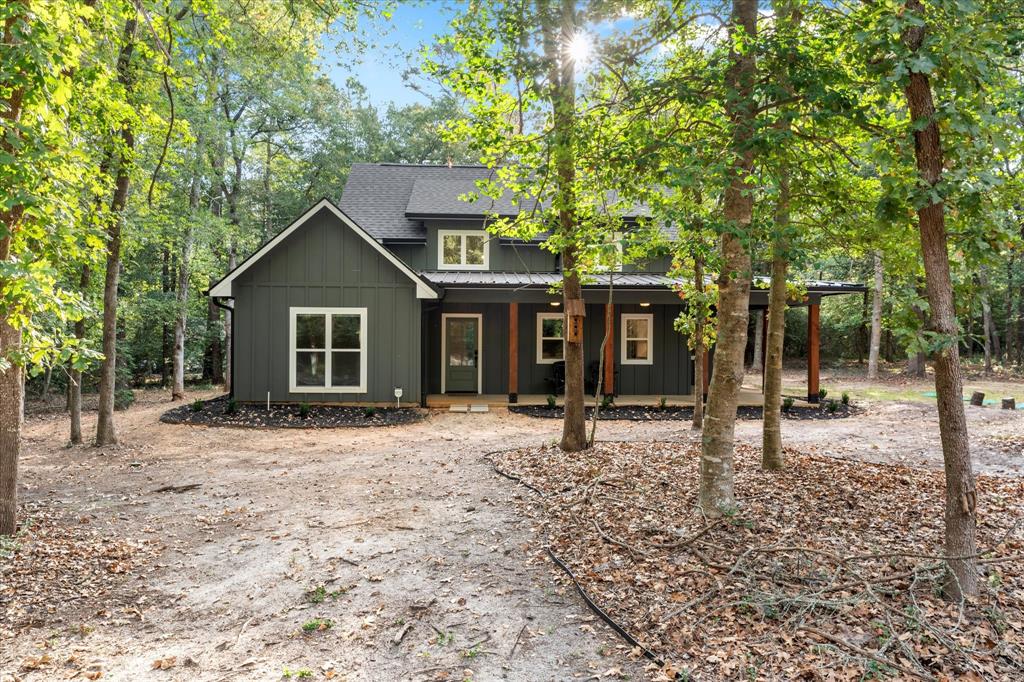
(441, 234)
(650, 338)
(541, 360)
(479, 349)
(293, 386)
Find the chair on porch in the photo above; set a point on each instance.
(557, 379)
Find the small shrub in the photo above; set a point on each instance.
(607, 401)
(846, 398)
(304, 410)
(822, 393)
(787, 404)
(123, 399)
(231, 407)
(662, 402)
(197, 405)
(833, 405)
(370, 412)
(316, 595)
(552, 401)
(317, 625)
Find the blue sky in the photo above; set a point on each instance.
(390, 45)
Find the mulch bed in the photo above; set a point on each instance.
(640, 413)
(828, 570)
(216, 412)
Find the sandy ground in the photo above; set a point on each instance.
(406, 528)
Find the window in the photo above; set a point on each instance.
(550, 338)
(328, 350)
(462, 250)
(637, 339)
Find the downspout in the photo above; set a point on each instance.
(230, 308)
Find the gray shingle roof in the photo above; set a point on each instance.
(440, 196)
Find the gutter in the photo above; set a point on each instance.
(231, 309)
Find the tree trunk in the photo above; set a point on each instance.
(1011, 312)
(12, 397)
(559, 29)
(986, 323)
(716, 466)
(755, 361)
(771, 445)
(699, 351)
(876, 318)
(166, 344)
(105, 433)
(181, 291)
(75, 382)
(961, 495)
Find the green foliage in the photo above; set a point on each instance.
(787, 404)
(197, 405)
(552, 402)
(370, 412)
(231, 407)
(123, 398)
(822, 392)
(304, 409)
(607, 401)
(317, 625)
(846, 398)
(832, 406)
(662, 402)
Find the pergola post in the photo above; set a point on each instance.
(813, 351)
(513, 353)
(608, 382)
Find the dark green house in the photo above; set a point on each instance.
(400, 289)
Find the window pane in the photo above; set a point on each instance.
(452, 249)
(551, 327)
(462, 336)
(345, 331)
(552, 349)
(636, 329)
(345, 369)
(309, 331)
(309, 368)
(474, 250)
(636, 350)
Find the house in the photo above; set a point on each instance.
(400, 288)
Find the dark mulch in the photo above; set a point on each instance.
(288, 416)
(640, 413)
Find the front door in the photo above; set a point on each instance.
(462, 354)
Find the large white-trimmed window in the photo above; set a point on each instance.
(550, 338)
(462, 250)
(637, 339)
(327, 349)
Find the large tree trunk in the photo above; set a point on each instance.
(1011, 312)
(75, 382)
(961, 495)
(184, 271)
(105, 433)
(771, 442)
(716, 466)
(559, 29)
(166, 342)
(699, 351)
(986, 323)
(876, 318)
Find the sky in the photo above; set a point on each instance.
(389, 45)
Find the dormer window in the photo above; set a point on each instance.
(462, 250)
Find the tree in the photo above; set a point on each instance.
(876, 316)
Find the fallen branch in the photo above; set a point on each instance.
(850, 646)
(178, 488)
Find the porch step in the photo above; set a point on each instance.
(458, 408)
(480, 407)
(477, 408)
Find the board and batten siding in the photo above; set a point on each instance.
(325, 264)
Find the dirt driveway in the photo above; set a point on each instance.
(400, 538)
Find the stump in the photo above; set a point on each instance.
(977, 398)
(1009, 404)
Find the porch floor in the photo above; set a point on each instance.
(750, 396)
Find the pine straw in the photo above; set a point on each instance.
(828, 570)
(59, 568)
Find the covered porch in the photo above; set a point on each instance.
(750, 396)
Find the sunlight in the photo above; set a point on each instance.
(580, 48)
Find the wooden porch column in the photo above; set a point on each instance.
(513, 352)
(813, 343)
(608, 383)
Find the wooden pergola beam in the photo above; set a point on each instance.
(513, 352)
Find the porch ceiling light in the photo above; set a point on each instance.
(645, 305)
(555, 304)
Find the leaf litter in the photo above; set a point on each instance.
(828, 570)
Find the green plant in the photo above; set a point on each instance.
(304, 410)
(304, 673)
(232, 406)
(822, 393)
(833, 405)
(317, 625)
(123, 398)
(552, 401)
(370, 412)
(607, 401)
(662, 402)
(197, 405)
(787, 404)
(846, 398)
(316, 595)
